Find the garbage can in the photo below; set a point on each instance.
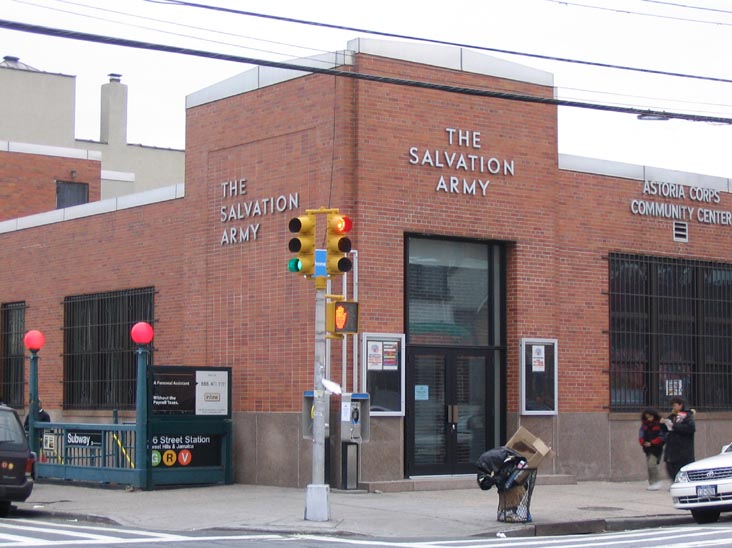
(506, 469)
(514, 500)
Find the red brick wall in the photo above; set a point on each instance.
(28, 181)
(340, 143)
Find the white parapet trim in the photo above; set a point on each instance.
(636, 172)
(163, 194)
(48, 150)
(121, 176)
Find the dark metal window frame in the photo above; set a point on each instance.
(12, 353)
(71, 193)
(670, 332)
(99, 354)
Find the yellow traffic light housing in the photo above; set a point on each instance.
(338, 244)
(303, 244)
(341, 317)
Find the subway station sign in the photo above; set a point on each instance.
(185, 450)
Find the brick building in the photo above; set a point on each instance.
(38, 113)
(559, 293)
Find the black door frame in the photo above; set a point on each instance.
(491, 408)
(495, 351)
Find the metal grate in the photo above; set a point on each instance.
(670, 332)
(99, 359)
(681, 231)
(710, 474)
(12, 353)
(694, 499)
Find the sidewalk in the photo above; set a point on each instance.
(556, 509)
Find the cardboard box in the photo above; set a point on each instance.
(530, 447)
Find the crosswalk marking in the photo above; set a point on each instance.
(25, 533)
(48, 533)
(673, 537)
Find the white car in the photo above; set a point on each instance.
(705, 487)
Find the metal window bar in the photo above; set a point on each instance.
(12, 353)
(99, 358)
(670, 332)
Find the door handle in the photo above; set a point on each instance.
(452, 413)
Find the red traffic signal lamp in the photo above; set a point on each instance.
(303, 244)
(338, 244)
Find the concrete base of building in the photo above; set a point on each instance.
(441, 483)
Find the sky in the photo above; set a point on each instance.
(690, 37)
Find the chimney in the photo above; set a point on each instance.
(113, 123)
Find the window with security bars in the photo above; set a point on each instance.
(12, 353)
(670, 333)
(99, 354)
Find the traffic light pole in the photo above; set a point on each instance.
(317, 506)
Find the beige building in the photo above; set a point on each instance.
(38, 108)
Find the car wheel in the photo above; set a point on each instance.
(705, 516)
(4, 508)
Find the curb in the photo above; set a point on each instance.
(595, 526)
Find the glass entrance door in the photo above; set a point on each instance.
(450, 396)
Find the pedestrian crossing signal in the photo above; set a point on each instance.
(341, 317)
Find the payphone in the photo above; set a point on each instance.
(308, 412)
(355, 429)
(355, 418)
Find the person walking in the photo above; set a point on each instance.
(680, 438)
(652, 436)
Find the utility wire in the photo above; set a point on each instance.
(686, 6)
(191, 36)
(219, 32)
(109, 40)
(656, 15)
(447, 43)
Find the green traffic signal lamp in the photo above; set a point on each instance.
(338, 244)
(303, 244)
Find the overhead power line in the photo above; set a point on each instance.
(444, 42)
(124, 42)
(686, 6)
(656, 15)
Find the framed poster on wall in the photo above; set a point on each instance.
(383, 357)
(538, 376)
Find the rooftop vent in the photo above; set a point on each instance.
(114, 77)
(10, 61)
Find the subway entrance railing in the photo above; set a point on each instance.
(88, 452)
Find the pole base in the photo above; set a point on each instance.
(317, 506)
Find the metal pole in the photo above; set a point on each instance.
(33, 389)
(317, 506)
(141, 422)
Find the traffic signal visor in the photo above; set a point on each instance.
(303, 244)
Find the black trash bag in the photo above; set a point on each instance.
(497, 467)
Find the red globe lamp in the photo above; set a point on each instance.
(34, 340)
(142, 333)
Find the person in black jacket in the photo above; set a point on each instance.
(41, 416)
(652, 436)
(680, 438)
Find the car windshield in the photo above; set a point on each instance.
(11, 431)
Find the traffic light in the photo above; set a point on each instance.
(338, 244)
(303, 244)
(341, 317)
